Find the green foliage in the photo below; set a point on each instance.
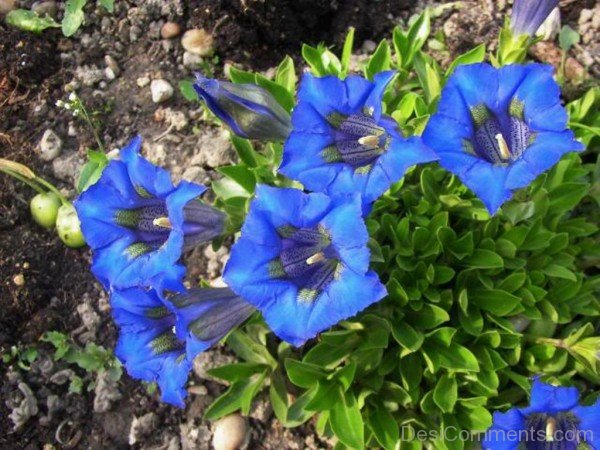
(92, 170)
(477, 305)
(567, 38)
(21, 356)
(30, 21)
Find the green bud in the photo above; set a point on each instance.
(68, 226)
(44, 209)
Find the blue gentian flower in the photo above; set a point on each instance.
(554, 420)
(137, 222)
(342, 143)
(148, 346)
(528, 15)
(248, 109)
(302, 260)
(162, 329)
(498, 129)
(206, 315)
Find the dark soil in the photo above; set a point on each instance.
(41, 281)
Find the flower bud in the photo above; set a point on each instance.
(44, 209)
(248, 109)
(68, 226)
(528, 15)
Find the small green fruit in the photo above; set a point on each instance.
(44, 209)
(68, 226)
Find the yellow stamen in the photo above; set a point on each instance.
(503, 146)
(550, 429)
(317, 257)
(369, 141)
(163, 222)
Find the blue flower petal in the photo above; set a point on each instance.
(549, 399)
(504, 432)
(325, 94)
(153, 179)
(375, 99)
(589, 424)
(446, 134)
(487, 181)
(308, 120)
(477, 84)
(546, 151)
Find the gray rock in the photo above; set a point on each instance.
(191, 60)
(89, 75)
(7, 6)
(213, 149)
(67, 167)
(142, 426)
(586, 15)
(62, 376)
(231, 433)
(209, 360)
(176, 119)
(215, 260)
(194, 437)
(111, 64)
(50, 145)
(161, 90)
(198, 41)
(195, 174)
(26, 408)
(368, 46)
(106, 392)
(45, 8)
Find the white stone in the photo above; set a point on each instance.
(198, 41)
(191, 60)
(142, 81)
(230, 433)
(161, 90)
(586, 15)
(50, 145)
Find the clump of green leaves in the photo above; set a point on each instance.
(21, 356)
(92, 358)
(72, 20)
(477, 305)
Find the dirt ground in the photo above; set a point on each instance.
(44, 286)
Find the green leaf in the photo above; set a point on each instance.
(313, 58)
(250, 350)
(346, 421)
(485, 259)
(303, 374)
(73, 17)
(429, 316)
(279, 396)
(347, 51)
(239, 396)
(186, 87)
(241, 175)
(445, 393)
(236, 372)
(567, 38)
(30, 21)
(380, 61)
(496, 301)
(92, 170)
(297, 412)
(556, 271)
(407, 336)
(286, 74)
(109, 5)
(475, 55)
(384, 427)
(245, 150)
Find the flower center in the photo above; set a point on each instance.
(552, 432)
(500, 140)
(358, 140)
(307, 259)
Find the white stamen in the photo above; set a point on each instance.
(163, 222)
(550, 429)
(369, 141)
(370, 111)
(503, 146)
(317, 257)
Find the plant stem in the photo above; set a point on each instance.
(27, 181)
(91, 124)
(52, 188)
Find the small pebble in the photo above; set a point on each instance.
(45, 8)
(230, 433)
(111, 63)
(198, 42)
(50, 145)
(586, 15)
(143, 81)
(170, 30)
(19, 280)
(7, 6)
(161, 91)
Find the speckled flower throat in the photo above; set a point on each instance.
(307, 259)
(358, 140)
(553, 432)
(500, 139)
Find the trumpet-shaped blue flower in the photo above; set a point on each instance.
(160, 336)
(137, 222)
(528, 15)
(498, 129)
(554, 420)
(342, 143)
(303, 261)
(248, 109)
(206, 315)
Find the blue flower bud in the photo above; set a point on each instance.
(528, 15)
(249, 110)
